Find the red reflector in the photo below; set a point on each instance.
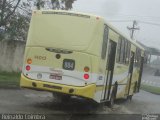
(97, 18)
(86, 76)
(28, 67)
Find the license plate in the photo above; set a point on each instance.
(56, 77)
(68, 64)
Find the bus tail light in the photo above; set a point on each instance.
(97, 18)
(86, 69)
(86, 76)
(28, 68)
(29, 61)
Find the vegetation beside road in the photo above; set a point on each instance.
(152, 89)
(9, 79)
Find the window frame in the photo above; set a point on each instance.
(123, 51)
(105, 42)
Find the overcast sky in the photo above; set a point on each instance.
(121, 12)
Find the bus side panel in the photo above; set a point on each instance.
(121, 76)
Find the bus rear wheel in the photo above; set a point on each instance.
(130, 97)
(113, 96)
(111, 102)
(135, 87)
(61, 97)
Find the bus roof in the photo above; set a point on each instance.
(71, 13)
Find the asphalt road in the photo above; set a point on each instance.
(149, 77)
(36, 102)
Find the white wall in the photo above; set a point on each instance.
(11, 55)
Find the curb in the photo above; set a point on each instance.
(10, 87)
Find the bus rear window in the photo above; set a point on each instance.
(61, 31)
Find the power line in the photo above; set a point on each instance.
(150, 23)
(120, 20)
(145, 22)
(121, 15)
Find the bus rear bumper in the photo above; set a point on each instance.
(87, 91)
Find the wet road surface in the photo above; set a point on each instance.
(149, 77)
(29, 101)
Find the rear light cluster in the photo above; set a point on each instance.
(28, 68)
(86, 75)
(86, 69)
(29, 61)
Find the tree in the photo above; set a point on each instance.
(14, 19)
(7, 9)
(18, 28)
(68, 4)
(55, 4)
(39, 4)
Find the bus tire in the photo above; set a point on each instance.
(61, 97)
(112, 99)
(135, 87)
(65, 98)
(130, 97)
(111, 102)
(113, 95)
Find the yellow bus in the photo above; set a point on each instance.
(77, 54)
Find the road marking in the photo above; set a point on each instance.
(152, 83)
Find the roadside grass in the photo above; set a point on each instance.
(152, 89)
(9, 79)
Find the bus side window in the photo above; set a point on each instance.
(105, 42)
(137, 57)
(128, 52)
(119, 49)
(122, 51)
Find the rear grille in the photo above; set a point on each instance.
(52, 86)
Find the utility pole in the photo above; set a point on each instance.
(133, 28)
